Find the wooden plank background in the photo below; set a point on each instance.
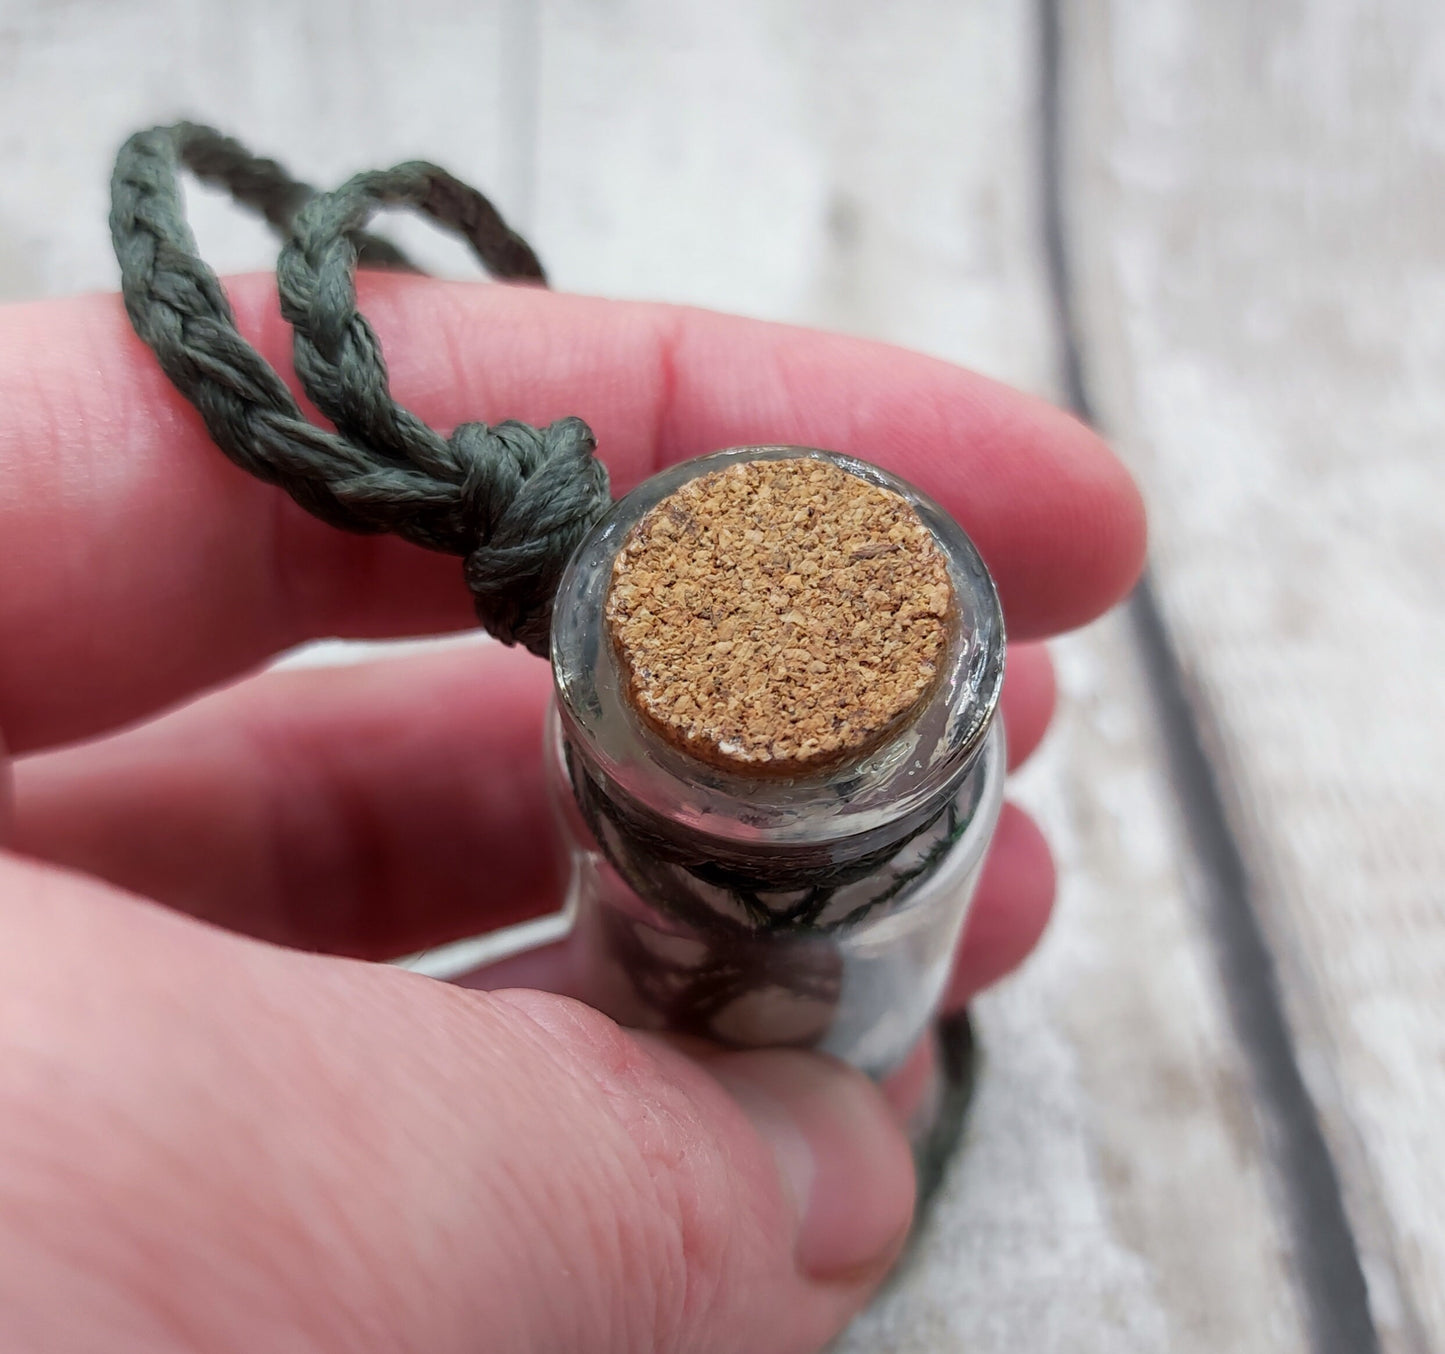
(1250, 202)
(1263, 216)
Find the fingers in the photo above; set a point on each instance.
(139, 565)
(1027, 702)
(1010, 910)
(370, 810)
(211, 1141)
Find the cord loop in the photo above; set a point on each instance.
(513, 500)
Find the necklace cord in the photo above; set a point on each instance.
(512, 499)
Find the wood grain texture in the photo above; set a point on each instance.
(859, 167)
(1112, 1195)
(839, 165)
(327, 88)
(1261, 191)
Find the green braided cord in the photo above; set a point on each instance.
(513, 500)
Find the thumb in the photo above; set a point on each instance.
(210, 1142)
(742, 1201)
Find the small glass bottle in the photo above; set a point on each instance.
(820, 909)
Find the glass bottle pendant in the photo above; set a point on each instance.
(775, 754)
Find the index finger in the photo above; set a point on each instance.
(138, 565)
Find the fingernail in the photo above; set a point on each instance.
(844, 1163)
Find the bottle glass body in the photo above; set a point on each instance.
(819, 911)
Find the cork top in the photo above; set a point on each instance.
(777, 616)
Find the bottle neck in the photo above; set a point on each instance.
(818, 884)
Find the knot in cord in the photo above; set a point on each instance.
(513, 500)
(531, 494)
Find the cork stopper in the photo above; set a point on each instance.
(777, 616)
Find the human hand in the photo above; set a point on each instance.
(228, 1136)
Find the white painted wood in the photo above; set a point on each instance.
(327, 88)
(856, 166)
(1261, 196)
(1112, 1195)
(863, 167)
